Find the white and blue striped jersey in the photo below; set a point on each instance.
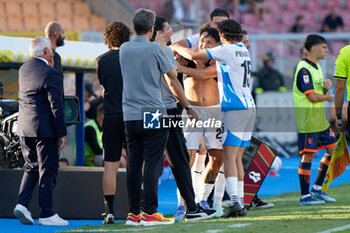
(233, 68)
(193, 41)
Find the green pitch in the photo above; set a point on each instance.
(286, 216)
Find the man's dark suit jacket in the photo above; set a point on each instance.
(41, 111)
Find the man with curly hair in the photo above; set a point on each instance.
(110, 77)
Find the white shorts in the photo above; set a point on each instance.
(238, 127)
(212, 135)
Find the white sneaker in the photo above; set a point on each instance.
(219, 210)
(23, 214)
(54, 220)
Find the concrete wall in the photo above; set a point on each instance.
(78, 193)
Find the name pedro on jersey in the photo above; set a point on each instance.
(242, 54)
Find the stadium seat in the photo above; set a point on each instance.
(3, 24)
(32, 23)
(310, 20)
(15, 24)
(34, 1)
(2, 9)
(313, 5)
(293, 5)
(98, 23)
(155, 6)
(271, 20)
(66, 22)
(218, 4)
(321, 15)
(336, 46)
(13, 8)
(138, 5)
(288, 18)
(336, 3)
(63, 9)
(346, 19)
(274, 5)
(232, 16)
(250, 20)
(30, 8)
(45, 19)
(81, 23)
(47, 8)
(81, 8)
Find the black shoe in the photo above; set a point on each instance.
(242, 212)
(199, 214)
(233, 210)
(257, 203)
(109, 219)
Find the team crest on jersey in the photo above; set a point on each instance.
(306, 79)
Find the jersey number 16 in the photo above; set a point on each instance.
(247, 70)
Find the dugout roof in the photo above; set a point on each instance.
(76, 56)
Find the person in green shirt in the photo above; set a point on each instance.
(93, 140)
(341, 74)
(314, 132)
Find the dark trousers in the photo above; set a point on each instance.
(144, 146)
(41, 157)
(179, 160)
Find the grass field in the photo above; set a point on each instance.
(286, 216)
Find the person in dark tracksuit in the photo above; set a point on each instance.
(110, 77)
(176, 149)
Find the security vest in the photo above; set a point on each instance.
(310, 117)
(89, 153)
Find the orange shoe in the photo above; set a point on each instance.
(155, 219)
(133, 220)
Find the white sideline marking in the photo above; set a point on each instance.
(337, 229)
(237, 225)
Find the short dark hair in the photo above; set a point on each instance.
(212, 32)
(218, 12)
(116, 33)
(231, 29)
(312, 40)
(158, 26)
(244, 32)
(143, 21)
